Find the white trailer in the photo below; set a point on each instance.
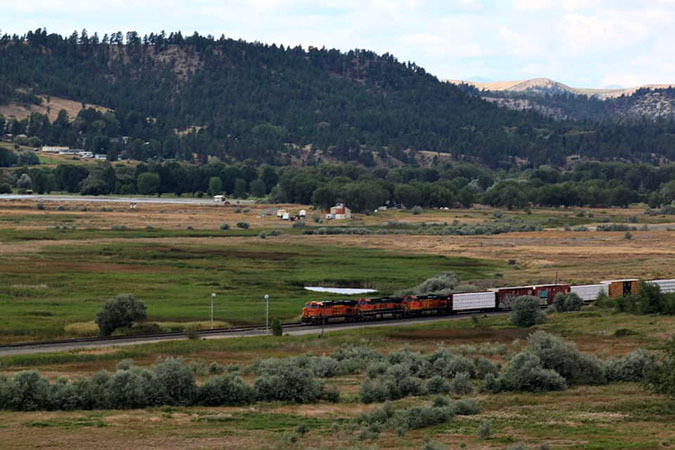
(667, 286)
(474, 301)
(589, 292)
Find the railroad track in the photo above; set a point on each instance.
(141, 337)
(292, 328)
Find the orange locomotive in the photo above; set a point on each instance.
(322, 311)
(417, 305)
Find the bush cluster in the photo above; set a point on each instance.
(442, 410)
(404, 373)
(648, 300)
(615, 227)
(526, 311)
(169, 382)
(567, 302)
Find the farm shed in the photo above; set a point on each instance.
(340, 212)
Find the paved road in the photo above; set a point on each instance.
(105, 199)
(296, 331)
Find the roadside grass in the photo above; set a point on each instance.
(61, 285)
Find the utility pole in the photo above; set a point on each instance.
(267, 313)
(213, 297)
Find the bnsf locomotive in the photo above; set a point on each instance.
(499, 299)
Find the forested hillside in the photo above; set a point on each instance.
(194, 97)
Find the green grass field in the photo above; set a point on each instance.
(68, 283)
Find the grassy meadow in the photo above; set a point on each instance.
(64, 284)
(616, 415)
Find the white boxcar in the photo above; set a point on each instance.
(667, 286)
(589, 292)
(474, 300)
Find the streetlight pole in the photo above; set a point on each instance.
(213, 296)
(267, 313)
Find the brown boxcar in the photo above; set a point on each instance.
(544, 292)
(621, 288)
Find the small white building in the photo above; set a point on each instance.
(340, 212)
(219, 198)
(53, 149)
(101, 156)
(302, 214)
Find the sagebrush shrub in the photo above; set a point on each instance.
(461, 384)
(292, 384)
(525, 372)
(631, 367)
(563, 357)
(178, 381)
(466, 407)
(438, 385)
(526, 312)
(484, 366)
(225, 390)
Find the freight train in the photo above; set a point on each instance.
(498, 299)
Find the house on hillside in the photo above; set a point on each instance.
(340, 212)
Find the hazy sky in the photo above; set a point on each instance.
(585, 43)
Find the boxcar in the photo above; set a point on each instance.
(667, 286)
(621, 288)
(589, 292)
(544, 292)
(474, 301)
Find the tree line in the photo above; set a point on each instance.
(196, 97)
(363, 189)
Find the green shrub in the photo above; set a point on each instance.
(225, 390)
(178, 380)
(631, 367)
(526, 312)
(243, 225)
(325, 367)
(525, 372)
(563, 357)
(215, 368)
(292, 384)
(490, 384)
(466, 407)
(118, 312)
(567, 302)
(442, 283)
(5, 188)
(661, 378)
(461, 384)
(447, 364)
(40, 206)
(416, 210)
(224, 226)
(438, 385)
(27, 391)
(485, 429)
(422, 417)
(484, 366)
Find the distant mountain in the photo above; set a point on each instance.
(560, 101)
(549, 86)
